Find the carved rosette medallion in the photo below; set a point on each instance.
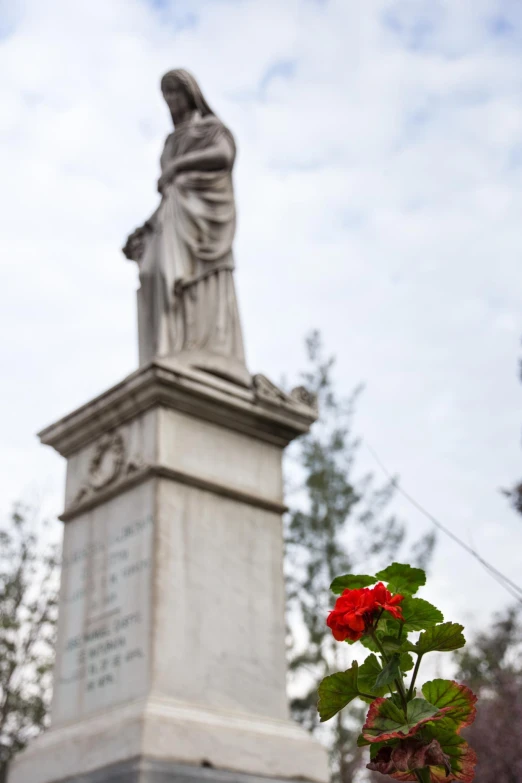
(107, 461)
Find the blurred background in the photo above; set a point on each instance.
(378, 182)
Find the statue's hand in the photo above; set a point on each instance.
(135, 245)
(178, 287)
(162, 184)
(166, 178)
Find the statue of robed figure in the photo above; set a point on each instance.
(187, 304)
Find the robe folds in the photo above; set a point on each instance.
(187, 302)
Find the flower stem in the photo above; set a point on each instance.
(381, 648)
(402, 693)
(414, 677)
(367, 695)
(377, 620)
(398, 682)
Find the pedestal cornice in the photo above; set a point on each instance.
(264, 411)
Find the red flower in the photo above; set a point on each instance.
(356, 610)
(351, 614)
(385, 600)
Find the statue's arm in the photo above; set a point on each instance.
(218, 156)
(135, 245)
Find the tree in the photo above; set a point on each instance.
(515, 493)
(492, 666)
(28, 612)
(337, 525)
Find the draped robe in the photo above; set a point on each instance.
(187, 304)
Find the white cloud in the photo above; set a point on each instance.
(378, 184)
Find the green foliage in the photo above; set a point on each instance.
(402, 578)
(441, 638)
(336, 691)
(336, 526)
(461, 757)
(419, 614)
(387, 721)
(417, 738)
(350, 582)
(28, 607)
(369, 671)
(457, 700)
(406, 662)
(390, 672)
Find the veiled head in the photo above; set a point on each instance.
(183, 95)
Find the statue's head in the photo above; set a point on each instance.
(183, 95)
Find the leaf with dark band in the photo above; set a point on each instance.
(385, 720)
(448, 693)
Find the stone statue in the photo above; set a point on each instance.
(187, 302)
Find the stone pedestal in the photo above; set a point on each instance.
(171, 627)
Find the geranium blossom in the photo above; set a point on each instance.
(355, 611)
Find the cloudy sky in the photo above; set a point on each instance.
(379, 186)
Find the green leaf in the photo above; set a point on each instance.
(423, 775)
(406, 662)
(368, 642)
(336, 691)
(419, 614)
(385, 720)
(402, 578)
(371, 669)
(390, 672)
(419, 710)
(441, 638)
(368, 673)
(396, 699)
(448, 693)
(351, 582)
(391, 643)
(362, 743)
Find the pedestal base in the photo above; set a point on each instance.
(171, 632)
(160, 737)
(145, 770)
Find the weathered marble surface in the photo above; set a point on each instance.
(104, 626)
(187, 302)
(145, 770)
(171, 631)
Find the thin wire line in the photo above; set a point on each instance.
(513, 589)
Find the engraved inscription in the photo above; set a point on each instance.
(104, 638)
